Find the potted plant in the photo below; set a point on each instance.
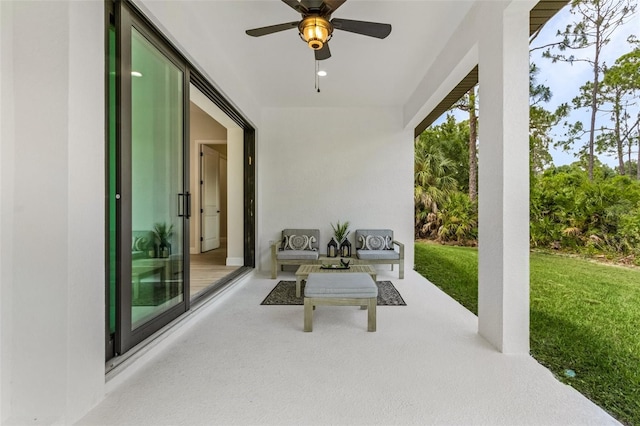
(163, 235)
(340, 231)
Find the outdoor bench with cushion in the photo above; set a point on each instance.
(296, 247)
(377, 246)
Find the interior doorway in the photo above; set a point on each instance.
(210, 198)
(211, 260)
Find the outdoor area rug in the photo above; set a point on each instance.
(284, 293)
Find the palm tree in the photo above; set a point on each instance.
(434, 182)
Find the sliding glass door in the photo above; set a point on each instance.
(152, 200)
(157, 206)
(148, 201)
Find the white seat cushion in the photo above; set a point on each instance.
(378, 254)
(341, 284)
(297, 255)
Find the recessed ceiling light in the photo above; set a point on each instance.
(322, 73)
(136, 74)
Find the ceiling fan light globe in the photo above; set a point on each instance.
(316, 31)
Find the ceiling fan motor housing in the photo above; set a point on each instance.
(315, 31)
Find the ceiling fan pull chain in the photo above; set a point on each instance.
(317, 76)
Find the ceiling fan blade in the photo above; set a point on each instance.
(371, 29)
(258, 32)
(296, 5)
(330, 6)
(324, 53)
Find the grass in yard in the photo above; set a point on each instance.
(585, 317)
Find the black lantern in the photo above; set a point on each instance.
(332, 248)
(345, 248)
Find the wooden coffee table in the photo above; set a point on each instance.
(304, 270)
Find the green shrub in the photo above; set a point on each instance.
(570, 212)
(567, 210)
(458, 219)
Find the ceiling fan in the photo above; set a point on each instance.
(316, 26)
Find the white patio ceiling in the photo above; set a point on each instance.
(279, 69)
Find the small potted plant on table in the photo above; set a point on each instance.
(163, 235)
(340, 233)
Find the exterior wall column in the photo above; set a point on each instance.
(52, 221)
(503, 287)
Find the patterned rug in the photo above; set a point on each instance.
(284, 293)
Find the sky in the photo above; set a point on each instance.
(565, 79)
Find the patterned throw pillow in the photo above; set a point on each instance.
(299, 242)
(375, 242)
(139, 244)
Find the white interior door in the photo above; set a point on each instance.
(210, 199)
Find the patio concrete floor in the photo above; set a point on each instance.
(237, 362)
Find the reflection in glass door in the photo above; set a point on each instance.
(151, 197)
(157, 203)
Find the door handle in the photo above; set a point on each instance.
(180, 205)
(184, 205)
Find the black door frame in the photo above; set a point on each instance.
(124, 14)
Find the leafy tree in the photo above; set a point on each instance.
(611, 139)
(622, 84)
(598, 20)
(541, 121)
(610, 103)
(617, 93)
(449, 138)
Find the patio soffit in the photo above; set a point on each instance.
(278, 70)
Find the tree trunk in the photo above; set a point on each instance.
(617, 133)
(594, 98)
(594, 109)
(473, 137)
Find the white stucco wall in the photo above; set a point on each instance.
(6, 204)
(319, 166)
(52, 226)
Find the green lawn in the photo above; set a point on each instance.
(585, 317)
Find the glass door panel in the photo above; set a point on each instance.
(157, 203)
